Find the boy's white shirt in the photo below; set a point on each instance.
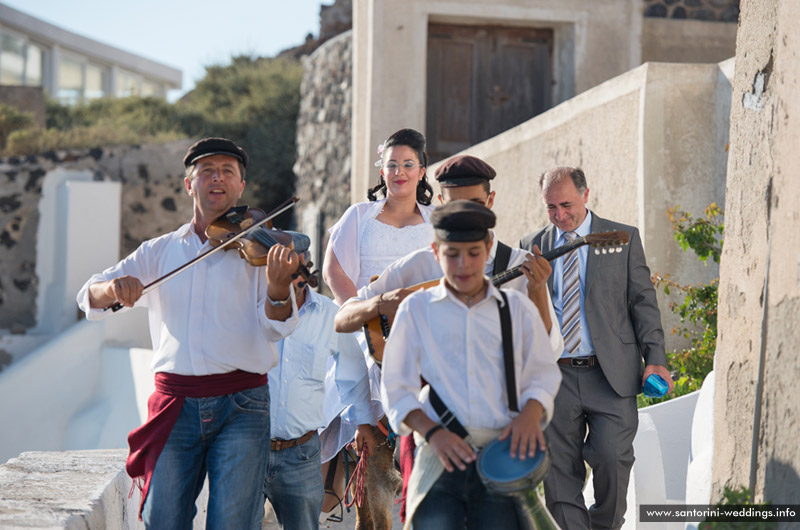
(458, 350)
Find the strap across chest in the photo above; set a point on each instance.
(446, 416)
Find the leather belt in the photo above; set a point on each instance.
(276, 444)
(580, 361)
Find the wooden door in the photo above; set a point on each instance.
(483, 80)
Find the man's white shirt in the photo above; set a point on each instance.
(210, 318)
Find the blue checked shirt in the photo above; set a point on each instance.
(297, 383)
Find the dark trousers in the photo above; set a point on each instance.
(459, 500)
(586, 400)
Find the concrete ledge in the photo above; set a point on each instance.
(70, 490)
(74, 490)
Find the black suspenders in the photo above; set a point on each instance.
(508, 353)
(501, 258)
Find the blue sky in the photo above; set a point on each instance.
(184, 34)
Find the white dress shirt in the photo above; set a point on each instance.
(297, 383)
(421, 266)
(459, 351)
(210, 318)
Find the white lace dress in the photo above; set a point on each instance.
(383, 244)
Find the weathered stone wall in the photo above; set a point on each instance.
(718, 10)
(335, 19)
(154, 201)
(323, 140)
(758, 369)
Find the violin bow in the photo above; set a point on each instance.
(289, 203)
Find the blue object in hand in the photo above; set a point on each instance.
(655, 386)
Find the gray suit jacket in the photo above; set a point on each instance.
(621, 307)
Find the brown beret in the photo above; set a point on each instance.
(214, 146)
(462, 221)
(463, 170)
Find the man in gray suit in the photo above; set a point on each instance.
(609, 317)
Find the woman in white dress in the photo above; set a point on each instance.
(368, 238)
(371, 235)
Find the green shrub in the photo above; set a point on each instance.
(698, 310)
(12, 119)
(33, 141)
(739, 497)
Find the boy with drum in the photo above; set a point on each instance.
(451, 336)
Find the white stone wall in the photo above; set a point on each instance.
(594, 40)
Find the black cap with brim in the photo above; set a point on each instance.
(214, 146)
(462, 221)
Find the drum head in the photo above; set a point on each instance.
(498, 470)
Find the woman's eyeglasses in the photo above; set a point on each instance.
(394, 167)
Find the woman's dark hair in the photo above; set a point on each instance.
(414, 140)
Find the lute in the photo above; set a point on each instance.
(377, 329)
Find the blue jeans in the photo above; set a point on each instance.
(293, 485)
(459, 500)
(227, 437)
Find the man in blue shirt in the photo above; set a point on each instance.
(293, 482)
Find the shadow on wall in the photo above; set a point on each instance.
(781, 482)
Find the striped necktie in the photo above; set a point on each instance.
(571, 299)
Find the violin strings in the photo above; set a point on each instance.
(265, 238)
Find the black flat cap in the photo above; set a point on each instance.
(214, 146)
(463, 170)
(460, 221)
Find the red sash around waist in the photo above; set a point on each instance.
(163, 409)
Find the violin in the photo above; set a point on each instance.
(255, 245)
(229, 239)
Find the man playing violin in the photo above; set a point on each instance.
(451, 336)
(213, 329)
